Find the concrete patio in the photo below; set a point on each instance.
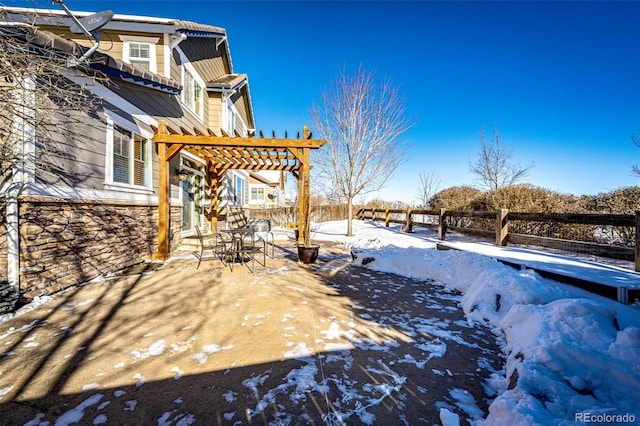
(327, 343)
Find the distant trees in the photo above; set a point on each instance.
(456, 198)
(429, 185)
(494, 166)
(363, 122)
(620, 201)
(528, 198)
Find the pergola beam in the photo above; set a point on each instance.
(253, 142)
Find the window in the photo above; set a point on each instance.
(232, 120)
(139, 55)
(192, 94)
(238, 190)
(130, 158)
(257, 194)
(140, 161)
(140, 52)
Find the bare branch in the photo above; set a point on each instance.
(494, 167)
(429, 186)
(41, 102)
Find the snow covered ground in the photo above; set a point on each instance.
(572, 357)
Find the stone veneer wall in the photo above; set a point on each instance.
(68, 242)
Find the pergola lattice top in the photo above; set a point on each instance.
(232, 152)
(224, 152)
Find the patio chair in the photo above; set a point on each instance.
(221, 248)
(246, 247)
(262, 229)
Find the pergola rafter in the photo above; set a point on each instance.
(225, 152)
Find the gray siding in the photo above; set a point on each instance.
(72, 153)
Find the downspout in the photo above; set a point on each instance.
(22, 174)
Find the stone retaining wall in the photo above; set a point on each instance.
(68, 242)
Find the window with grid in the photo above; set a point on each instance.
(257, 194)
(121, 139)
(193, 94)
(140, 55)
(140, 161)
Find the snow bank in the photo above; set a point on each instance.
(567, 356)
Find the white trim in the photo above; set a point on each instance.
(12, 217)
(128, 124)
(188, 67)
(43, 190)
(166, 47)
(103, 92)
(151, 41)
(193, 157)
(24, 150)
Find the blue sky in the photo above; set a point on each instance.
(560, 79)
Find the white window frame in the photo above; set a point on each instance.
(197, 110)
(150, 41)
(229, 114)
(259, 196)
(112, 121)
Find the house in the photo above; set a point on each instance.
(84, 205)
(267, 189)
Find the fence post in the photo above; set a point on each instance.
(442, 227)
(409, 224)
(387, 217)
(637, 257)
(373, 214)
(502, 227)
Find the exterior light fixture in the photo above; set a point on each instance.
(182, 175)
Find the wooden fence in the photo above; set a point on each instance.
(614, 236)
(288, 216)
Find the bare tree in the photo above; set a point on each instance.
(363, 123)
(429, 186)
(494, 166)
(635, 169)
(44, 102)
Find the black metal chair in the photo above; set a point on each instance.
(246, 247)
(221, 248)
(262, 228)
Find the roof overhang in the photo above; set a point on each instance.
(45, 43)
(228, 83)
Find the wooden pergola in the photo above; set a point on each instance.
(224, 152)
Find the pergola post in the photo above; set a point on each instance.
(163, 197)
(304, 224)
(215, 180)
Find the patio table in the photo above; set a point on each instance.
(244, 249)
